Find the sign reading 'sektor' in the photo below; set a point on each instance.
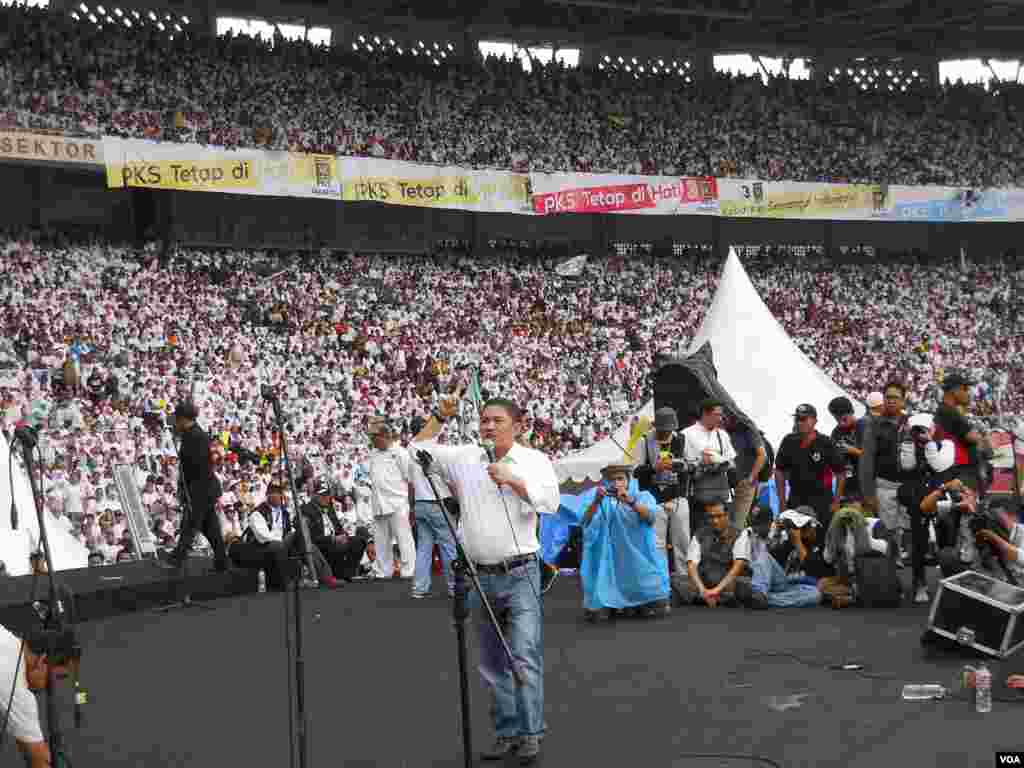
(40, 147)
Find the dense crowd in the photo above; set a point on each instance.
(56, 73)
(99, 340)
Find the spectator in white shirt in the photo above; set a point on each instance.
(390, 476)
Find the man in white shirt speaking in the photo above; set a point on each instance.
(500, 496)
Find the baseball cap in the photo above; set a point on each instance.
(805, 409)
(955, 380)
(801, 516)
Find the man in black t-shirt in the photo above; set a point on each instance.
(952, 424)
(809, 461)
(848, 437)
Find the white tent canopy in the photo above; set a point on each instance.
(758, 364)
(588, 463)
(17, 545)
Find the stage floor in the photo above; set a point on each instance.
(211, 689)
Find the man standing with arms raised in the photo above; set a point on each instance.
(501, 490)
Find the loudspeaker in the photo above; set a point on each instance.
(979, 612)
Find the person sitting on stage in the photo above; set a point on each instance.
(269, 541)
(851, 535)
(343, 550)
(622, 568)
(786, 575)
(718, 558)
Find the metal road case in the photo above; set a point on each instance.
(981, 612)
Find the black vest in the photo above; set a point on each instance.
(715, 553)
(268, 515)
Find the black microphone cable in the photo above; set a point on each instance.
(488, 446)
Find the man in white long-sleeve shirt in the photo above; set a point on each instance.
(500, 503)
(390, 476)
(709, 450)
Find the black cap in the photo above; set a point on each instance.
(955, 380)
(805, 409)
(840, 406)
(665, 419)
(186, 409)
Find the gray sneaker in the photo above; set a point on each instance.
(921, 596)
(529, 750)
(503, 747)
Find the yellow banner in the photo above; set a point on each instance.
(206, 176)
(781, 200)
(439, 191)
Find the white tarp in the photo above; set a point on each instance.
(16, 546)
(588, 463)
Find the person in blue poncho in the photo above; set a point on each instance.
(621, 567)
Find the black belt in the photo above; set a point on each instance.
(427, 501)
(507, 565)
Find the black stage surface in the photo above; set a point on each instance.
(205, 689)
(113, 590)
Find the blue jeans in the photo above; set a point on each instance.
(517, 711)
(432, 529)
(782, 591)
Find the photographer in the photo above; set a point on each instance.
(708, 449)
(919, 493)
(848, 437)
(787, 576)
(662, 474)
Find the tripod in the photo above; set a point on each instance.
(463, 568)
(55, 626)
(186, 498)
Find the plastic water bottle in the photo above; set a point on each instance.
(983, 689)
(923, 692)
(262, 581)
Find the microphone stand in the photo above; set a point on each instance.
(463, 567)
(300, 721)
(56, 615)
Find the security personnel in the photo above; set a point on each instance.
(198, 487)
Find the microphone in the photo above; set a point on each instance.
(488, 446)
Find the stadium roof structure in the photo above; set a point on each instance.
(945, 29)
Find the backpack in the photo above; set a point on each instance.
(877, 580)
(769, 460)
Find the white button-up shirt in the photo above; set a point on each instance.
(419, 480)
(698, 440)
(497, 524)
(390, 475)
